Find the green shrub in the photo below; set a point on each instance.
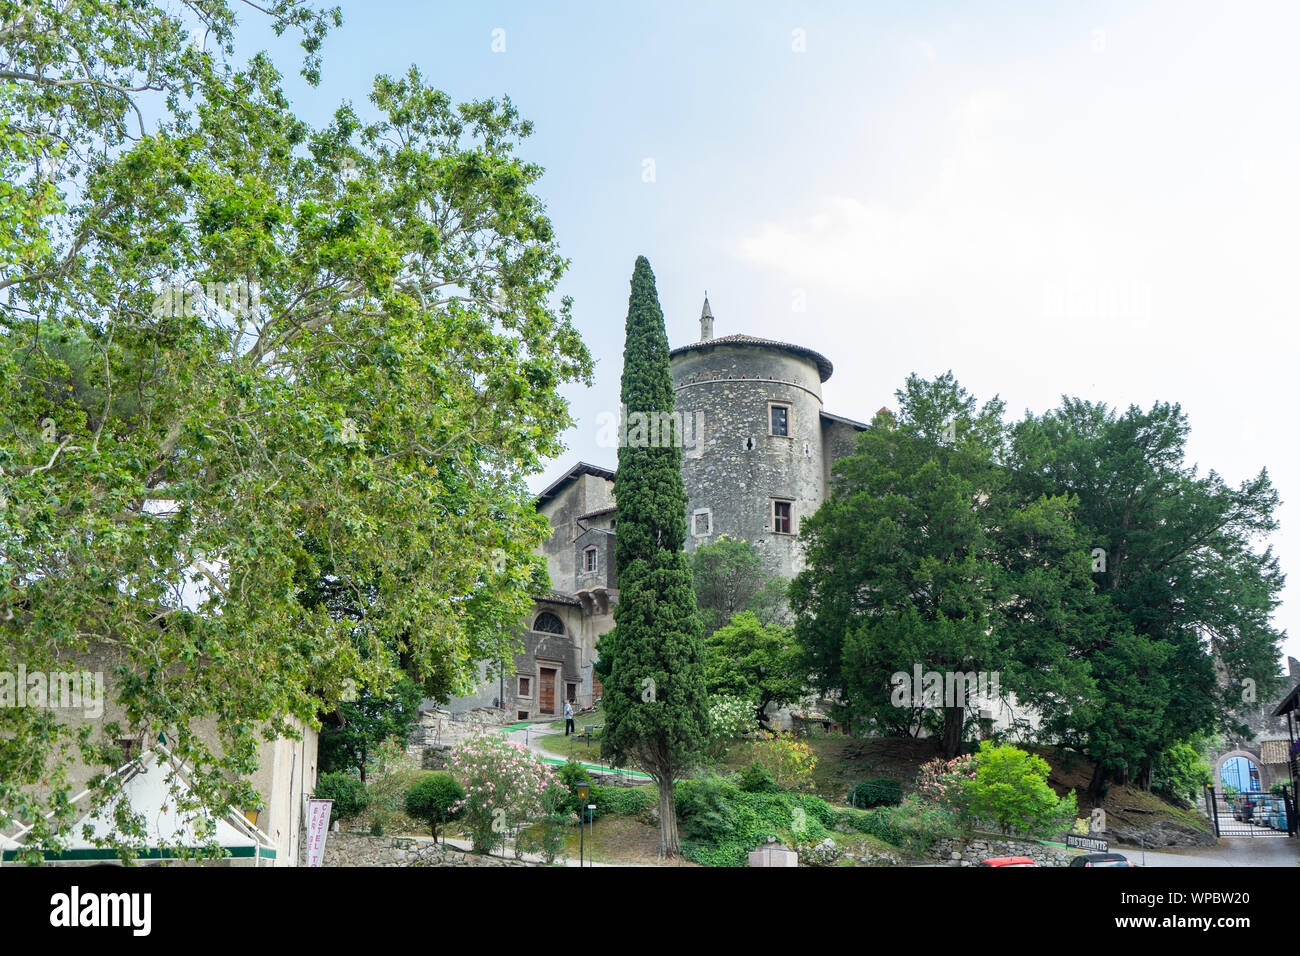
(1011, 789)
(880, 792)
(704, 807)
(821, 811)
(347, 792)
(392, 772)
(619, 801)
(436, 800)
(757, 779)
(546, 836)
(724, 823)
(572, 774)
(913, 825)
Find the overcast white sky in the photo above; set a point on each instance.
(943, 186)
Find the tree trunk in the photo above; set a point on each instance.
(953, 717)
(1097, 784)
(670, 844)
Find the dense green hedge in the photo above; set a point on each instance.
(880, 792)
(723, 823)
(908, 826)
(347, 792)
(619, 801)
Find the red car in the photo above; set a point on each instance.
(1007, 861)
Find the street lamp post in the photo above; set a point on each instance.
(583, 789)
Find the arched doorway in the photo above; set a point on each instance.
(1241, 771)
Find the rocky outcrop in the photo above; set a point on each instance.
(1154, 833)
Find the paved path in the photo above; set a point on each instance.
(527, 736)
(468, 846)
(1245, 851)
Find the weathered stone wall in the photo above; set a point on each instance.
(970, 852)
(438, 731)
(583, 494)
(741, 468)
(355, 849)
(839, 440)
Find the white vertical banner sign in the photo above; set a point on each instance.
(318, 825)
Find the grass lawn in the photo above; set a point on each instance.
(558, 745)
(621, 839)
(595, 717)
(841, 763)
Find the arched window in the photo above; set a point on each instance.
(548, 623)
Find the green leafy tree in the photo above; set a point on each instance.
(729, 578)
(920, 556)
(1010, 787)
(761, 664)
(1181, 772)
(175, 459)
(361, 725)
(1178, 566)
(656, 702)
(435, 800)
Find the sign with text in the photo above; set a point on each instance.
(1094, 844)
(318, 825)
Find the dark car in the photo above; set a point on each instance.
(1101, 859)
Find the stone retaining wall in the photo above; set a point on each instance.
(969, 852)
(356, 849)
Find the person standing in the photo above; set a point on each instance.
(568, 717)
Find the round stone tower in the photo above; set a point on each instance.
(753, 459)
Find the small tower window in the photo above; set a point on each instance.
(783, 517)
(702, 523)
(778, 417)
(525, 687)
(589, 559)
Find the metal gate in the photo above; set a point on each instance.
(1252, 813)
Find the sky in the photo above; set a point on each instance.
(1088, 199)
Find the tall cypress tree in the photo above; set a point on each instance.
(655, 699)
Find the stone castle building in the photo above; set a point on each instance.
(768, 445)
(759, 449)
(762, 463)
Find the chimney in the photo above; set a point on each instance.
(706, 320)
